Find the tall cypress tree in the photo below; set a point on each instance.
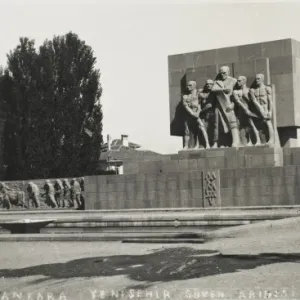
(50, 94)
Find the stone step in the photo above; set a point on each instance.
(113, 236)
(143, 210)
(154, 220)
(163, 241)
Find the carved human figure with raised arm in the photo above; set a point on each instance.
(261, 96)
(192, 123)
(241, 99)
(224, 107)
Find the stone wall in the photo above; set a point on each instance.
(221, 177)
(227, 187)
(21, 186)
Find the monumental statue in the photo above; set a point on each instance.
(244, 115)
(226, 113)
(225, 118)
(261, 95)
(193, 125)
(206, 104)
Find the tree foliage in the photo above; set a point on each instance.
(54, 118)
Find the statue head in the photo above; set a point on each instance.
(241, 81)
(72, 181)
(191, 86)
(259, 79)
(224, 72)
(209, 84)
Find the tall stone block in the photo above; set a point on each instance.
(278, 60)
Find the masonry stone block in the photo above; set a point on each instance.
(250, 52)
(277, 48)
(176, 62)
(281, 65)
(205, 58)
(244, 68)
(229, 54)
(151, 194)
(192, 164)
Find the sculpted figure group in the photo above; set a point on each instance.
(226, 113)
(60, 194)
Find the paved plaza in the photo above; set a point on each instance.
(257, 264)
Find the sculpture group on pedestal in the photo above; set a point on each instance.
(60, 194)
(226, 113)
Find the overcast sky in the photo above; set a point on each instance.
(132, 43)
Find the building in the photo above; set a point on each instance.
(116, 152)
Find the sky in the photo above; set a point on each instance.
(132, 41)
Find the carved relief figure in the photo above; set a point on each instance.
(33, 194)
(10, 197)
(81, 182)
(261, 95)
(225, 119)
(67, 190)
(75, 193)
(49, 193)
(207, 107)
(193, 125)
(244, 115)
(58, 186)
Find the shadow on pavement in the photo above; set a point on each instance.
(164, 265)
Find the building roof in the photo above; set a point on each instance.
(124, 153)
(117, 145)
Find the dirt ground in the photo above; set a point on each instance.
(264, 265)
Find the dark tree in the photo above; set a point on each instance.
(54, 119)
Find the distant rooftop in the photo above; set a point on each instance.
(122, 149)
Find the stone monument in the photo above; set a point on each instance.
(236, 110)
(277, 64)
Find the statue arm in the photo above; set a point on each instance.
(197, 112)
(237, 100)
(217, 87)
(206, 108)
(256, 103)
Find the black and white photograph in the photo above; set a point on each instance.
(149, 150)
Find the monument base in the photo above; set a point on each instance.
(244, 157)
